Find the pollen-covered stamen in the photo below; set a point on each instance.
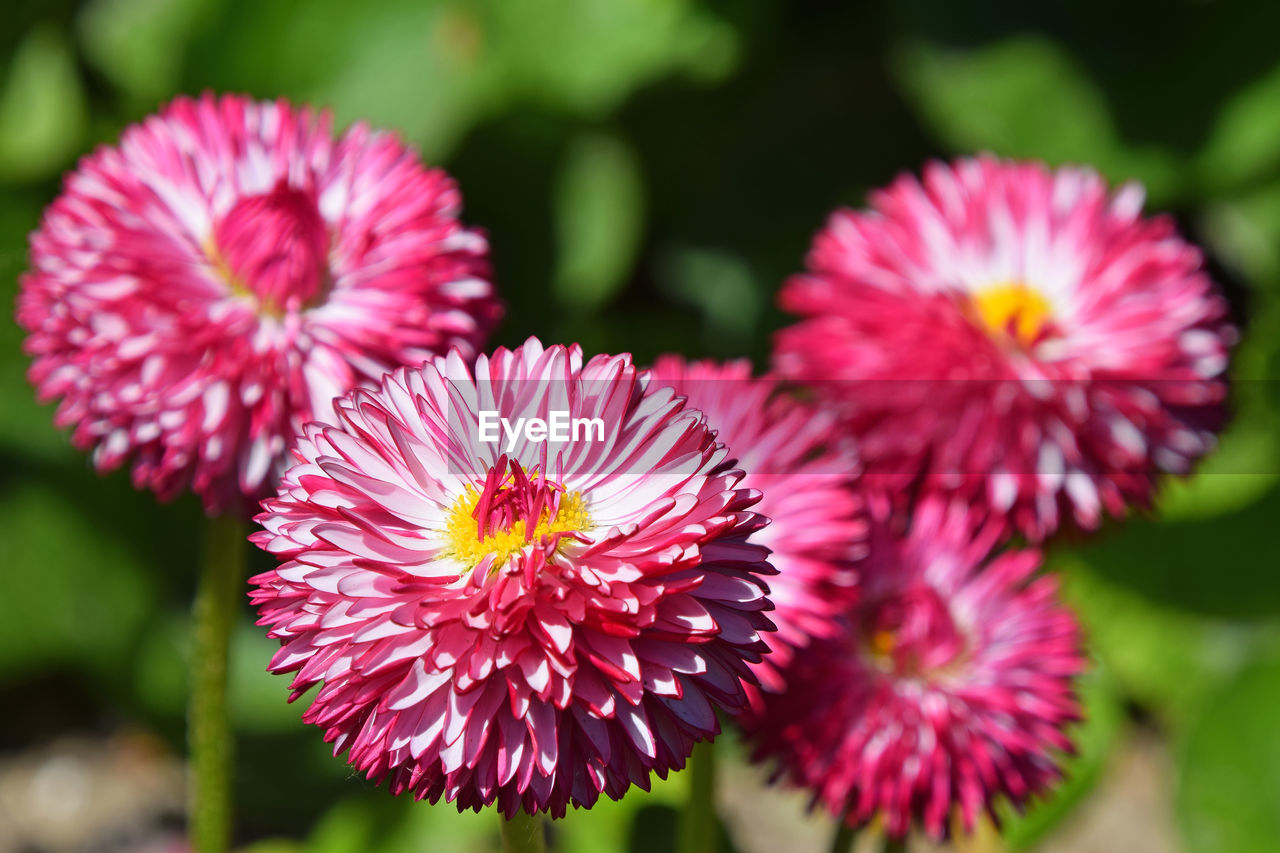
(511, 511)
(275, 246)
(1014, 310)
(913, 632)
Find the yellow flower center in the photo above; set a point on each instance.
(471, 537)
(1014, 310)
(882, 643)
(266, 307)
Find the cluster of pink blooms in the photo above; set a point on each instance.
(1007, 344)
(241, 305)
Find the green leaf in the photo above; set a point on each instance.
(74, 592)
(258, 699)
(599, 210)
(419, 68)
(451, 831)
(721, 286)
(1228, 795)
(42, 108)
(139, 44)
(378, 823)
(161, 663)
(1245, 141)
(1167, 659)
(1026, 97)
(349, 825)
(586, 55)
(274, 845)
(434, 70)
(1221, 566)
(1244, 231)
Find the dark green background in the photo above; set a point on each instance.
(649, 171)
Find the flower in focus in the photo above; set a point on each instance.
(529, 620)
(794, 457)
(1017, 335)
(205, 288)
(951, 688)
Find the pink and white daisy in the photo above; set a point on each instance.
(1013, 335)
(951, 689)
(204, 288)
(794, 456)
(528, 623)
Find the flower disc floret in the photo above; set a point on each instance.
(511, 512)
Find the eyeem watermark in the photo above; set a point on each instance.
(558, 427)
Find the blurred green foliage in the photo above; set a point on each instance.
(1229, 791)
(649, 171)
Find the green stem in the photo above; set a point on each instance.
(209, 729)
(844, 838)
(699, 831)
(523, 834)
(846, 835)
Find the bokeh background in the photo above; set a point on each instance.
(649, 171)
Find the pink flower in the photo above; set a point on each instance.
(805, 472)
(1016, 335)
(527, 621)
(205, 288)
(951, 688)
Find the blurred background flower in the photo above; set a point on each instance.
(805, 472)
(1015, 337)
(649, 171)
(951, 690)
